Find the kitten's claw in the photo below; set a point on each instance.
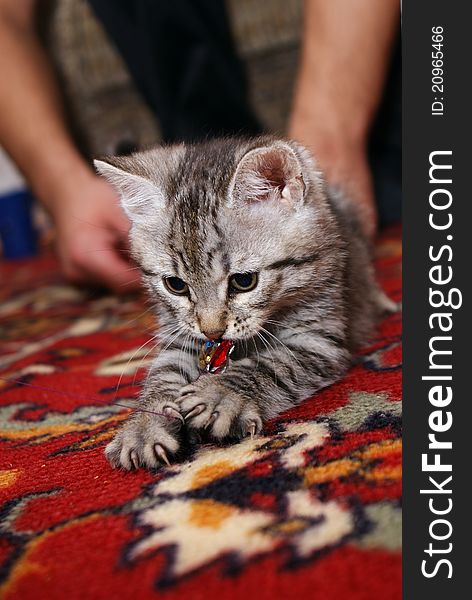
(254, 426)
(195, 411)
(133, 456)
(173, 413)
(161, 454)
(224, 414)
(212, 419)
(145, 441)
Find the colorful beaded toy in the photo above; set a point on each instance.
(214, 356)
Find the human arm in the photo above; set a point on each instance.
(345, 57)
(91, 226)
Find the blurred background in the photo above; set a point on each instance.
(182, 71)
(107, 113)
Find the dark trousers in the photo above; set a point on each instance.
(182, 58)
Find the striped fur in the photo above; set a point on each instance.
(204, 212)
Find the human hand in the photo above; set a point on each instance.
(92, 234)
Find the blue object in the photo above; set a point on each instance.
(17, 233)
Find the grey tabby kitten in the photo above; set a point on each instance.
(239, 239)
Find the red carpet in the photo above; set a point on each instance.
(309, 509)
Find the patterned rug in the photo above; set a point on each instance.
(311, 508)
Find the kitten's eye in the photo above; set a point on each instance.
(176, 286)
(243, 282)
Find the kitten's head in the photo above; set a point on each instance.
(228, 233)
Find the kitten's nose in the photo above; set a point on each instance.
(215, 334)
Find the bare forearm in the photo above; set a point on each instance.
(32, 124)
(91, 229)
(345, 57)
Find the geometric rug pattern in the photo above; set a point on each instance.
(309, 508)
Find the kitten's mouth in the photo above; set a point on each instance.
(214, 355)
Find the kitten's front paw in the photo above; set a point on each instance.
(145, 440)
(209, 405)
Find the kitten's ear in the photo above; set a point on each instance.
(139, 196)
(270, 173)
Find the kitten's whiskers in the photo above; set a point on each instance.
(286, 348)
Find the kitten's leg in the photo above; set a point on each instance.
(146, 439)
(257, 388)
